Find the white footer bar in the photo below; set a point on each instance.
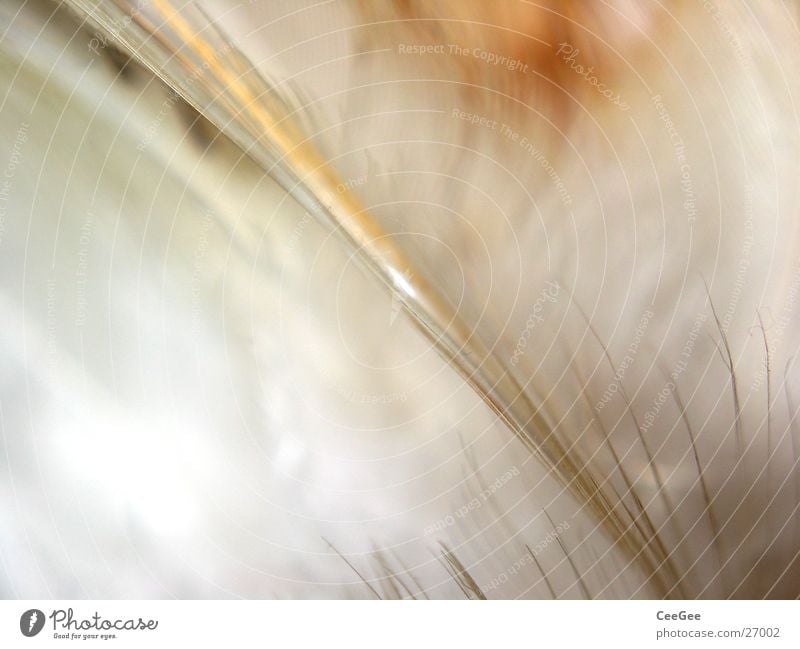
(404, 625)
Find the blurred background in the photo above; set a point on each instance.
(208, 391)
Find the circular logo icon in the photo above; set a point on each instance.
(31, 622)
